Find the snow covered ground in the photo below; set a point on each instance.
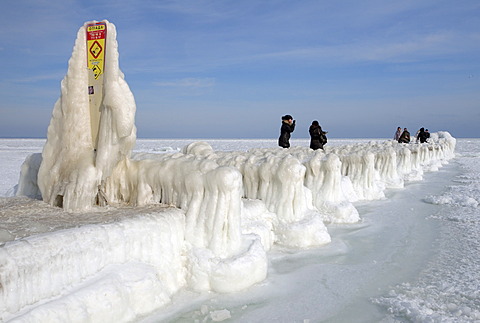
(412, 257)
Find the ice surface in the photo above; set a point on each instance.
(375, 252)
(448, 290)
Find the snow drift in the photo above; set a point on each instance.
(229, 209)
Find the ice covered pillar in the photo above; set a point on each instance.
(92, 126)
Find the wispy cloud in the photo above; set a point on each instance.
(415, 48)
(38, 78)
(188, 83)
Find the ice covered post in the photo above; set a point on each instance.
(92, 126)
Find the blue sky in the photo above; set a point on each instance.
(231, 69)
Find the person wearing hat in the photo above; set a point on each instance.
(317, 136)
(288, 126)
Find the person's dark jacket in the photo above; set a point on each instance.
(284, 140)
(422, 136)
(405, 137)
(317, 137)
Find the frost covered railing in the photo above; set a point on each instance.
(300, 187)
(209, 194)
(277, 179)
(297, 185)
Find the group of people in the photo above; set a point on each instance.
(318, 137)
(404, 136)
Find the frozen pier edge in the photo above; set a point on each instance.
(229, 209)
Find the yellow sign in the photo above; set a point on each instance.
(96, 41)
(96, 35)
(96, 71)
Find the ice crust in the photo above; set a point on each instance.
(132, 266)
(448, 289)
(230, 208)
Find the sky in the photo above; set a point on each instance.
(231, 69)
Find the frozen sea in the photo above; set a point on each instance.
(414, 257)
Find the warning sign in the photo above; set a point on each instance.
(96, 47)
(96, 35)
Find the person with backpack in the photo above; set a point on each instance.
(318, 137)
(423, 135)
(405, 137)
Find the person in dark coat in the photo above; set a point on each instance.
(422, 135)
(288, 126)
(405, 137)
(317, 136)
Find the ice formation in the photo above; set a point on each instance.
(230, 208)
(71, 169)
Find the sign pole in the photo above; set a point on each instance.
(96, 40)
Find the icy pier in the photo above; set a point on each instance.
(135, 264)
